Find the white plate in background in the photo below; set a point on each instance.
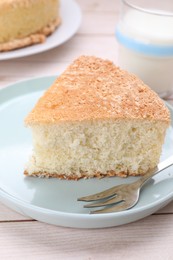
(71, 18)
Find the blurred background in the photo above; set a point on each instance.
(96, 36)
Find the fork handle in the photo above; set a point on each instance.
(160, 167)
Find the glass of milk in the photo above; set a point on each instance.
(145, 36)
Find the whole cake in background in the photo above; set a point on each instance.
(27, 22)
(96, 120)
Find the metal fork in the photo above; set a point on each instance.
(124, 196)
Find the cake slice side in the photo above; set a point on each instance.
(96, 149)
(96, 120)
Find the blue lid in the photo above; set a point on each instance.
(144, 48)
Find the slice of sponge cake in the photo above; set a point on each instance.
(96, 120)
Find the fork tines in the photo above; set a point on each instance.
(108, 199)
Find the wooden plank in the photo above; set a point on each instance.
(8, 80)
(99, 5)
(98, 45)
(98, 23)
(7, 214)
(150, 238)
(27, 69)
(166, 210)
(56, 59)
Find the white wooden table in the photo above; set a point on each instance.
(25, 238)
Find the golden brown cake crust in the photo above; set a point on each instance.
(15, 3)
(38, 37)
(82, 175)
(92, 88)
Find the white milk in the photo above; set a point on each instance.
(150, 30)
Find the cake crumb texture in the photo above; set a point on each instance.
(102, 147)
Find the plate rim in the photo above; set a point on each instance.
(86, 215)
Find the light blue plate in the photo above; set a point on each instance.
(55, 201)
